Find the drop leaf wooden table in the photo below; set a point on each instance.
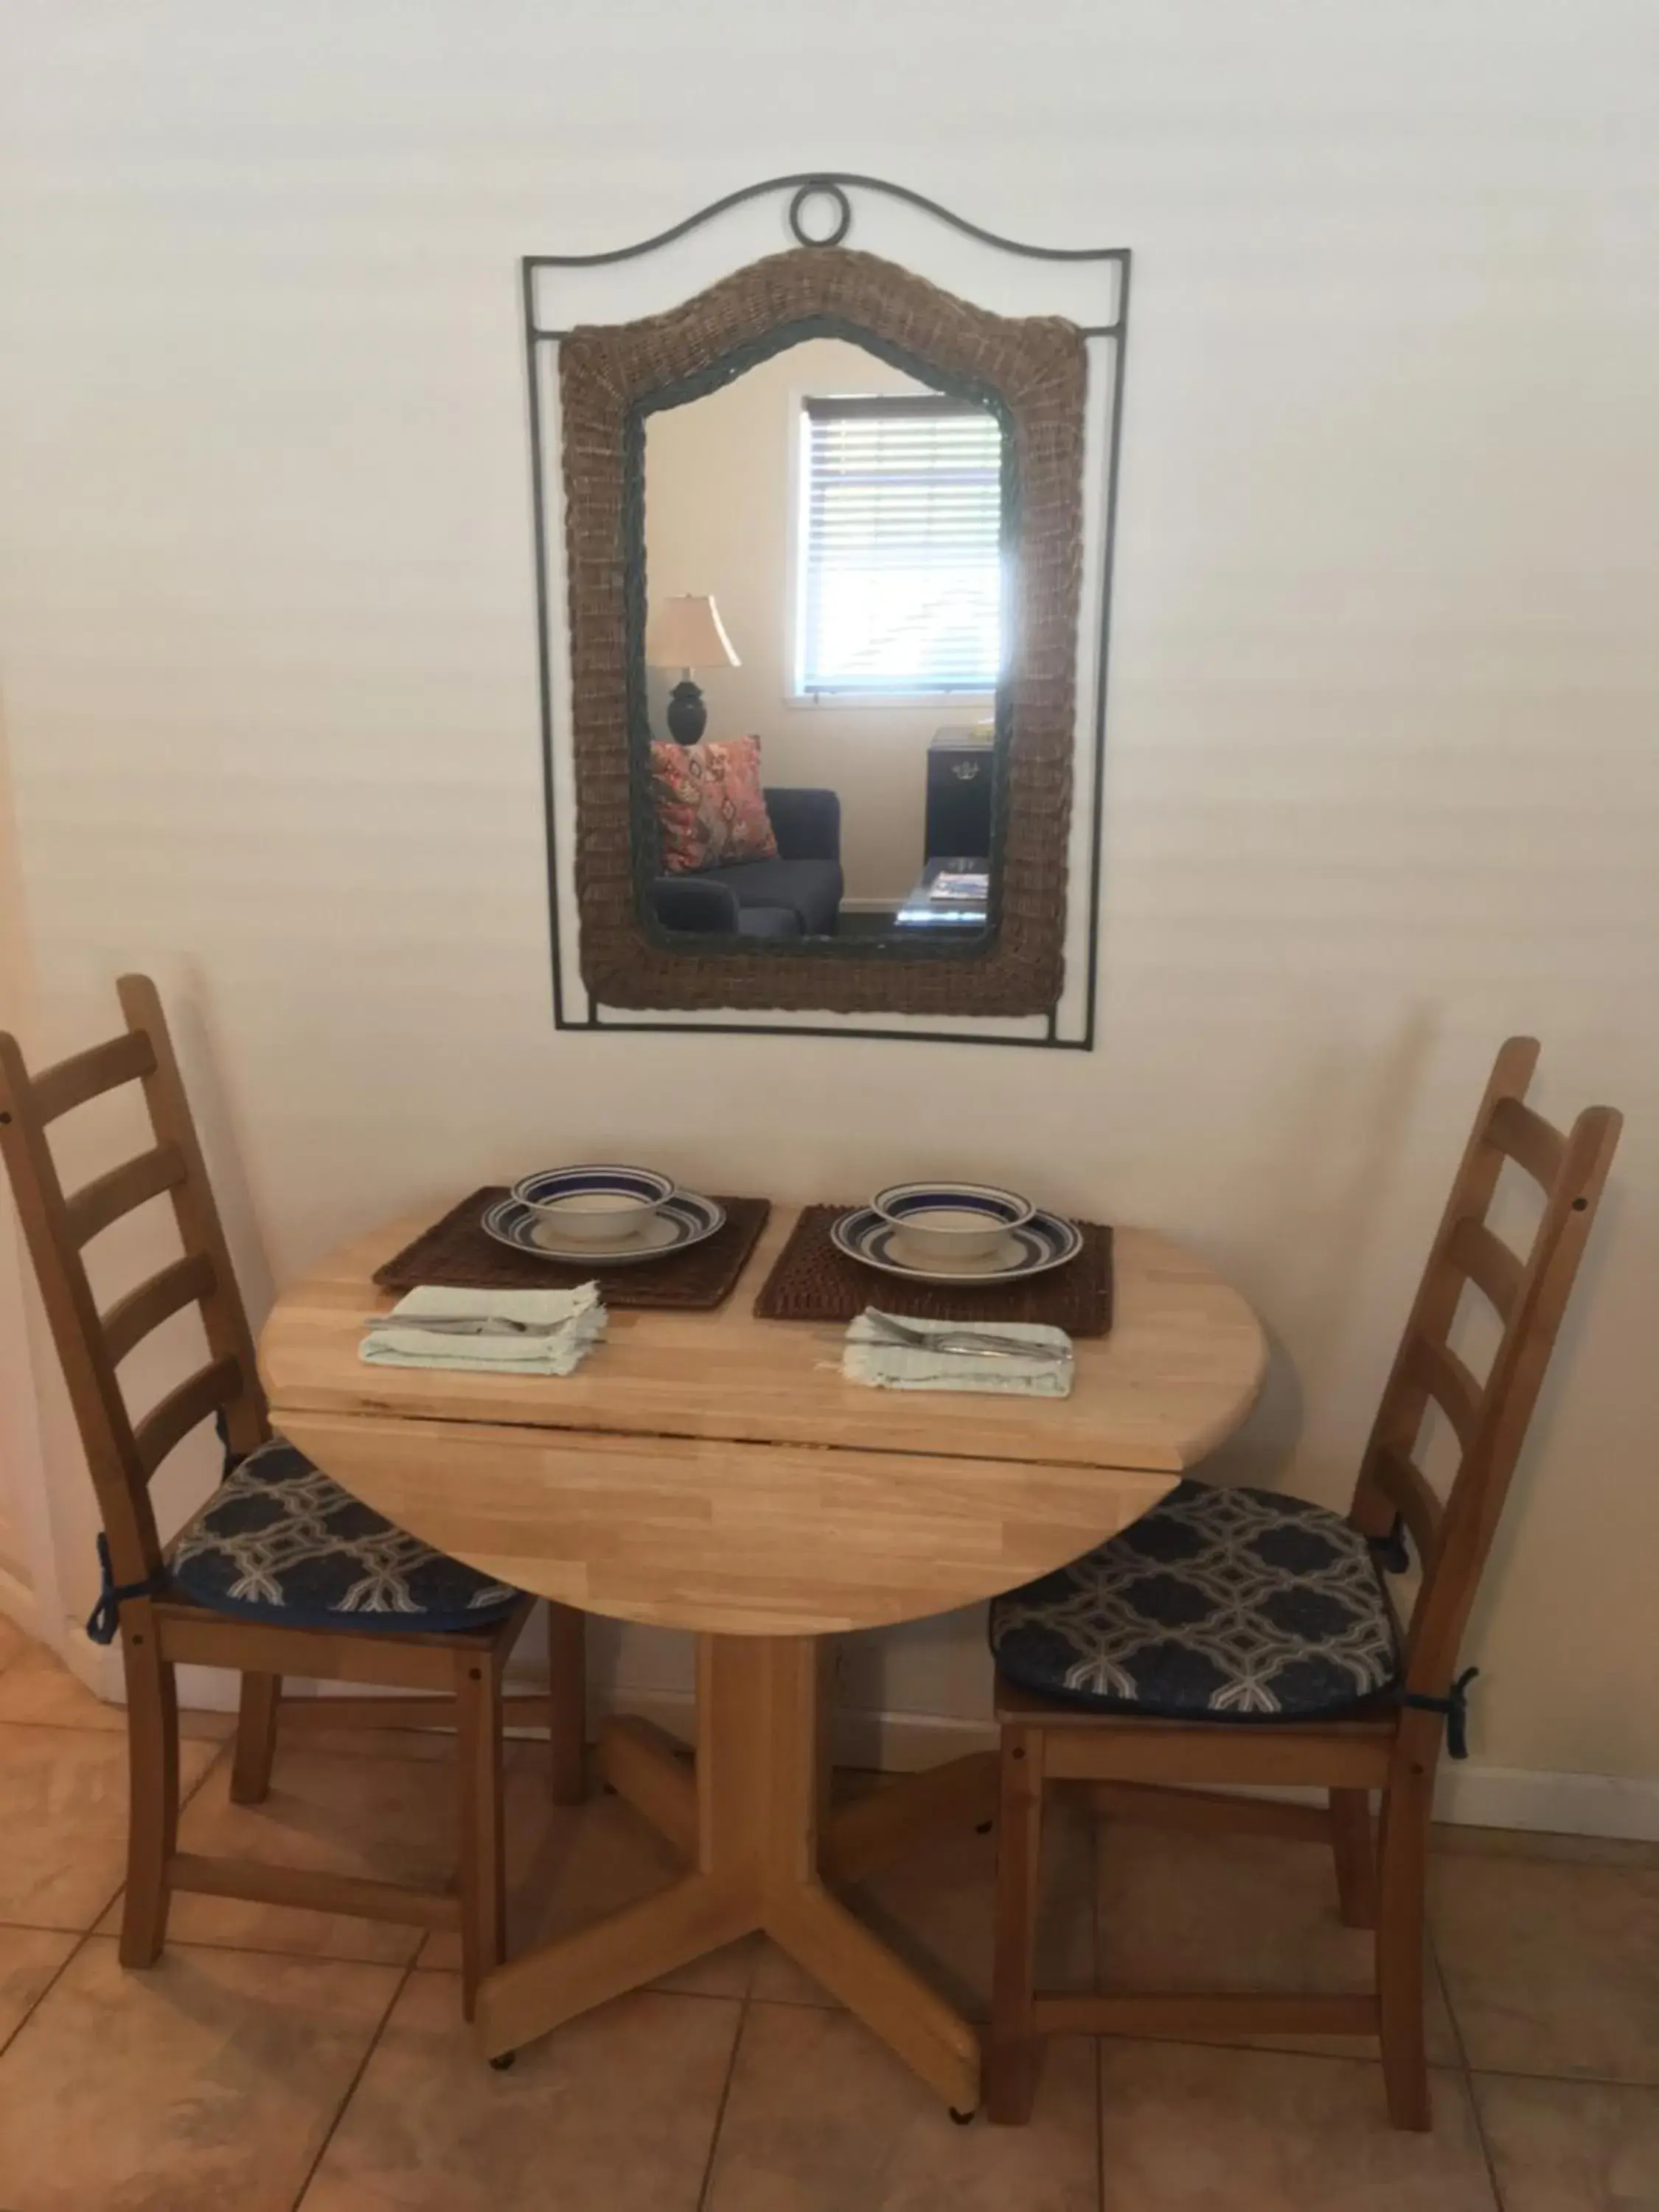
(713, 1473)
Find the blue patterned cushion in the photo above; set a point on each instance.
(1225, 1605)
(280, 1540)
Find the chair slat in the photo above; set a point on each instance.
(108, 1197)
(1335, 1755)
(88, 1074)
(1410, 1493)
(1488, 1263)
(1436, 1368)
(312, 1891)
(172, 1418)
(131, 1318)
(1200, 2013)
(1528, 1140)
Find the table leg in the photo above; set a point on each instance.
(758, 1794)
(644, 1763)
(529, 1996)
(889, 1997)
(647, 1766)
(901, 1816)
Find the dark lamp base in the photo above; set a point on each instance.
(688, 717)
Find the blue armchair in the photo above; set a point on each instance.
(799, 894)
(694, 904)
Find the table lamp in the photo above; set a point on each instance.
(687, 633)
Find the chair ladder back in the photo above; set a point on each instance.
(88, 1075)
(223, 1315)
(1509, 1394)
(1391, 1481)
(121, 1454)
(101, 1413)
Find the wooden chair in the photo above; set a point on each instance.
(458, 1669)
(1071, 1730)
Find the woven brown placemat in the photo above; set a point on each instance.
(811, 1281)
(457, 1252)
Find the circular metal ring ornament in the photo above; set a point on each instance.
(821, 190)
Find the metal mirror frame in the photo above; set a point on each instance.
(627, 961)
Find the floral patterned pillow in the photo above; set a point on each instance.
(710, 807)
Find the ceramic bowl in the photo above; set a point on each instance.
(951, 1222)
(596, 1204)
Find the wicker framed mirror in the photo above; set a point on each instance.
(868, 512)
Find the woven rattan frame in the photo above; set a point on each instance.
(1034, 371)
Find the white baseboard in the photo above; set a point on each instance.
(1468, 1794)
(894, 1743)
(1558, 1804)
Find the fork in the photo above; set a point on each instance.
(970, 1342)
(465, 1324)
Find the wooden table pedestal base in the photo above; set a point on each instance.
(753, 1823)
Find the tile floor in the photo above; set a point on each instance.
(279, 2060)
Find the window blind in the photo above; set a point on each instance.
(902, 552)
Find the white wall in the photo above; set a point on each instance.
(718, 487)
(29, 1402)
(16, 1409)
(1381, 779)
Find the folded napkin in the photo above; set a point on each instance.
(867, 1358)
(398, 1339)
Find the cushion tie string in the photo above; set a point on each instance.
(1456, 1707)
(105, 1616)
(1390, 1551)
(233, 1459)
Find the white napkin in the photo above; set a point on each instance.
(399, 1340)
(867, 1358)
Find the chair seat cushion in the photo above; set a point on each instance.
(1221, 1605)
(811, 889)
(768, 921)
(280, 1540)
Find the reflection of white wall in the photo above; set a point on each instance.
(717, 500)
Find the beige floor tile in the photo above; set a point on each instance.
(37, 1687)
(779, 1980)
(566, 1867)
(823, 2117)
(208, 2082)
(1186, 1910)
(63, 1820)
(937, 1909)
(1186, 2129)
(1552, 1968)
(29, 1957)
(389, 1820)
(614, 2111)
(1572, 2146)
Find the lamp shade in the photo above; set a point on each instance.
(688, 633)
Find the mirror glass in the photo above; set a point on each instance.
(820, 614)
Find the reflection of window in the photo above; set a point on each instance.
(900, 564)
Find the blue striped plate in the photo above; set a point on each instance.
(682, 1220)
(1043, 1241)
